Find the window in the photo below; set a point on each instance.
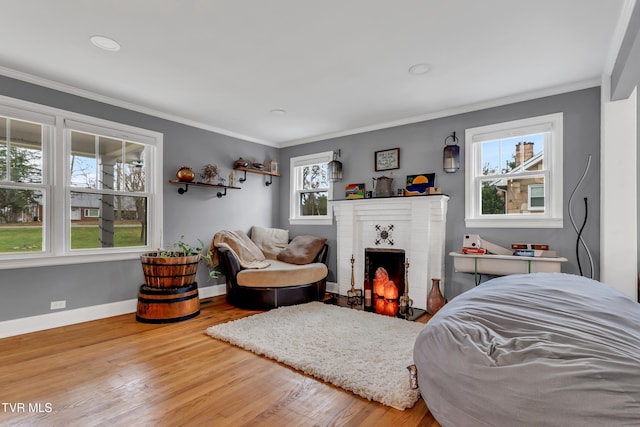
(536, 197)
(24, 189)
(106, 203)
(310, 189)
(514, 174)
(91, 213)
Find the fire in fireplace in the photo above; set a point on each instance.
(384, 279)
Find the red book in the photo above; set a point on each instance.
(475, 251)
(536, 246)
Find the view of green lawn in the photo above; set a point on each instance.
(29, 239)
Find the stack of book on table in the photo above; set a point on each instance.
(533, 249)
(472, 244)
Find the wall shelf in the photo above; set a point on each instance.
(186, 185)
(258, 171)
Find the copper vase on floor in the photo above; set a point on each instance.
(435, 300)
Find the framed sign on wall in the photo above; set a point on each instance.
(387, 159)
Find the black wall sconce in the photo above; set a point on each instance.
(451, 154)
(335, 167)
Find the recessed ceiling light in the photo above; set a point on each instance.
(419, 69)
(105, 43)
(278, 112)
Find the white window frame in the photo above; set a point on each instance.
(295, 167)
(552, 125)
(56, 188)
(87, 213)
(535, 208)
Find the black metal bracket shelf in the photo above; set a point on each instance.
(186, 185)
(258, 171)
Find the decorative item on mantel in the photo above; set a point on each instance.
(435, 300)
(451, 154)
(354, 296)
(383, 186)
(185, 174)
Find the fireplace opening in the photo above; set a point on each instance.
(383, 279)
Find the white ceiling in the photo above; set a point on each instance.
(335, 66)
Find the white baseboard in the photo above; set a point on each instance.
(333, 287)
(41, 322)
(212, 291)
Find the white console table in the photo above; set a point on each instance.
(502, 265)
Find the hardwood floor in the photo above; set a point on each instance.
(119, 372)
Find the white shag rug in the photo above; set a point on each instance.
(365, 353)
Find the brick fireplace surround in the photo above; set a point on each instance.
(416, 224)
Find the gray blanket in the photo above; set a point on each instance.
(545, 349)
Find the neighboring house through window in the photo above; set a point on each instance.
(107, 203)
(310, 189)
(514, 174)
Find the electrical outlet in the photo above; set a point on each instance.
(57, 305)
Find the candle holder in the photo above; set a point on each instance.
(354, 296)
(406, 303)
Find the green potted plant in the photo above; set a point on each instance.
(176, 266)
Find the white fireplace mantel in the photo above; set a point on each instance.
(417, 225)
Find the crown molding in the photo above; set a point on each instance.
(526, 96)
(497, 102)
(29, 78)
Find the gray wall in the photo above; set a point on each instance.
(198, 214)
(421, 146)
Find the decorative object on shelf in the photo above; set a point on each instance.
(387, 159)
(240, 163)
(209, 172)
(435, 300)
(451, 154)
(383, 186)
(354, 191)
(354, 295)
(406, 303)
(232, 178)
(384, 234)
(257, 165)
(273, 166)
(185, 174)
(417, 185)
(335, 167)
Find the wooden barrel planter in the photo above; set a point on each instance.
(169, 272)
(167, 305)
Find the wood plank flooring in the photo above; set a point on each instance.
(119, 372)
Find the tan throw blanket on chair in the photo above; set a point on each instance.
(248, 254)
